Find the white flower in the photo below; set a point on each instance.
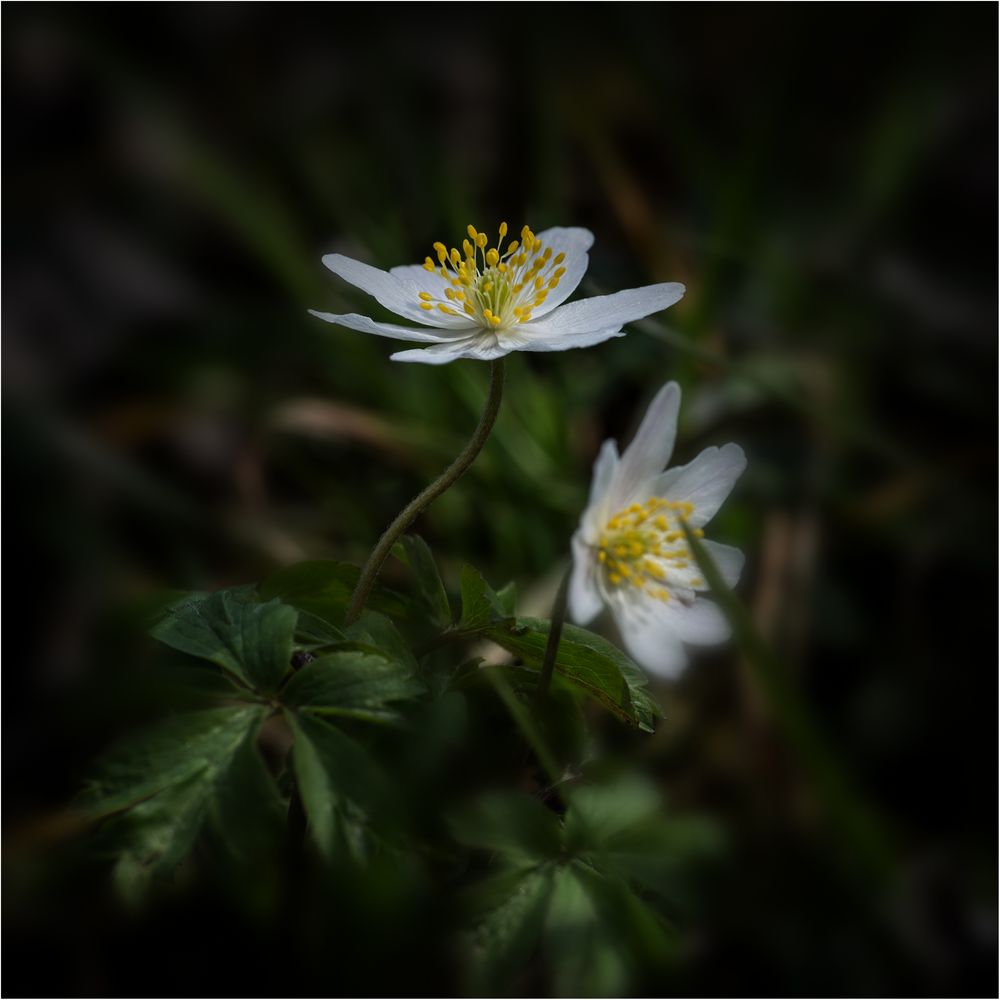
(630, 553)
(485, 302)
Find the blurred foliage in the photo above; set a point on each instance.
(825, 187)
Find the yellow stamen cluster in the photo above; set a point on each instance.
(494, 287)
(643, 546)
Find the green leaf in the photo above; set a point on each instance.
(480, 604)
(587, 662)
(252, 641)
(375, 629)
(355, 682)
(342, 788)
(167, 754)
(597, 813)
(247, 814)
(324, 588)
(581, 953)
(505, 938)
(163, 783)
(415, 553)
(517, 826)
(507, 599)
(312, 632)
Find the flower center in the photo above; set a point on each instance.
(494, 288)
(643, 546)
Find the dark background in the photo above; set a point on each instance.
(823, 178)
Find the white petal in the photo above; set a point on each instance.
(574, 242)
(353, 321)
(421, 280)
(648, 639)
(584, 599)
(398, 295)
(651, 447)
(605, 466)
(728, 560)
(705, 482)
(609, 312)
(700, 622)
(532, 337)
(597, 513)
(482, 347)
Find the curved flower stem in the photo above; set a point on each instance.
(424, 499)
(555, 634)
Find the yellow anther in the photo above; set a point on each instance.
(426, 296)
(447, 310)
(539, 282)
(469, 310)
(553, 283)
(495, 320)
(492, 258)
(547, 254)
(502, 268)
(560, 257)
(518, 311)
(459, 296)
(559, 272)
(428, 264)
(661, 522)
(615, 579)
(503, 229)
(442, 252)
(426, 305)
(449, 293)
(602, 556)
(697, 582)
(439, 246)
(511, 247)
(467, 247)
(481, 240)
(471, 230)
(455, 256)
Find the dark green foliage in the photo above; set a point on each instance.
(566, 898)
(252, 641)
(587, 662)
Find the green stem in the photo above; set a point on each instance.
(423, 500)
(555, 634)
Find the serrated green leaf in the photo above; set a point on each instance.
(252, 641)
(313, 632)
(415, 553)
(505, 938)
(247, 814)
(342, 788)
(517, 826)
(324, 587)
(169, 753)
(480, 604)
(587, 662)
(358, 682)
(375, 629)
(507, 599)
(163, 783)
(597, 813)
(581, 953)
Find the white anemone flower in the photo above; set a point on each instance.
(484, 302)
(630, 553)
